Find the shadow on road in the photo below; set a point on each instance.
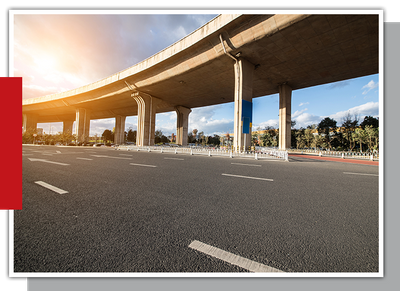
(304, 160)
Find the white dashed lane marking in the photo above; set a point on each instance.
(143, 165)
(51, 187)
(112, 157)
(233, 259)
(46, 161)
(247, 177)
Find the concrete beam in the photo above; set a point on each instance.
(182, 122)
(82, 124)
(147, 107)
(285, 116)
(119, 134)
(243, 104)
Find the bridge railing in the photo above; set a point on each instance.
(258, 153)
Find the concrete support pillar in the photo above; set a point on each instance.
(182, 122)
(119, 134)
(29, 121)
(68, 126)
(243, 104)
(82, 124)
(147, 106)
(285, 116)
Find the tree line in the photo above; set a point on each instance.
(351, 135)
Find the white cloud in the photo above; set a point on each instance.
(167, 128)
(202, 120)
(298, 113)
(371, 85)
(272, 122)
(301, 104)
(98, 126)
(305, 119)
(367, 109)
(32, 91)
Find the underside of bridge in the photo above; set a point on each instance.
(295, 51)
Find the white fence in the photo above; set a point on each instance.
(341, 154)
(258, 154)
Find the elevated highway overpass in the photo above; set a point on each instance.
(232, 58)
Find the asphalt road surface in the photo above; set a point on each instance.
(102, 210)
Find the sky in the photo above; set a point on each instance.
(56, 53)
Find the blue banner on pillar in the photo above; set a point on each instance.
(247, 116)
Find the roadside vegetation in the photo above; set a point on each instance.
(350, 135)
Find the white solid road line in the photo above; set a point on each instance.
(247, 177)
(233, 259)
(143, 165)
(252, 165)
(361, 174)
(86, 159)
(51, 187)
(178, 159)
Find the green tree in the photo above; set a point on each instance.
(27, 136)
(372, 134)
(318, 141)
(131, 135)
(255, 137)
(360, 136)
(270, 138)
(327, 128)
(308, 137)
(159, 137)
(108, 135)
(300, 138)
(191, 139)
(369, 120)
(214, 140)
(195, 131)
(64, 137)
(349, 125)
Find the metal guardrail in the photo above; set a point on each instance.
(258, 154)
